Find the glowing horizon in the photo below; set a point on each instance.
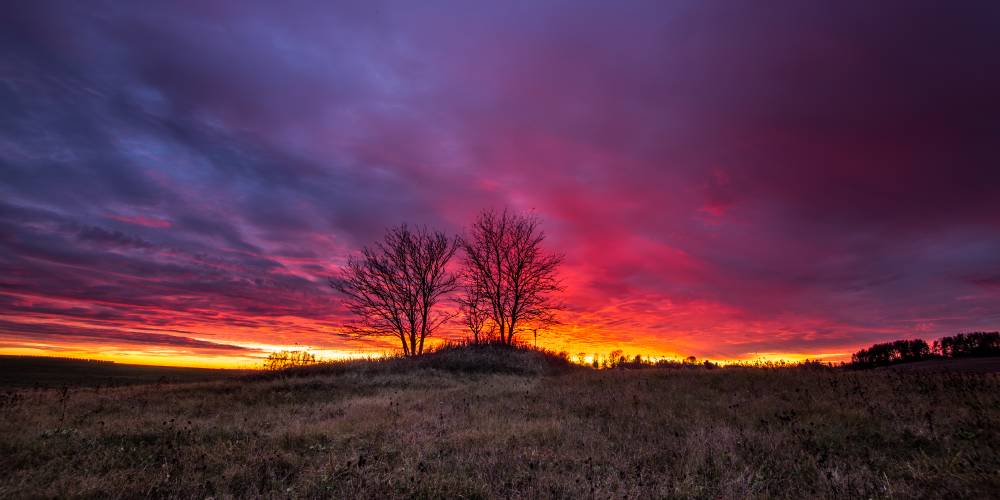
(255, 362)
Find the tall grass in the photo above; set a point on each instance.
(491, 423)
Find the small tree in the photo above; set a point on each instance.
(504, 260)
(393, 286)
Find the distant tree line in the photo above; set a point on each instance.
(962, 345)
(504, 285)
(969, 345)
(619, 360)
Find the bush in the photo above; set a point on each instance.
(282, 360)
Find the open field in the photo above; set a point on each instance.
(37, 371)
(960, 365)
(511, 425)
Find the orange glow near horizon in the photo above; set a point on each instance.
(596, 325)
(246, 352)
(256, 362)
(647, 327)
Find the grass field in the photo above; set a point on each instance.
(492, 424)
(960, 365)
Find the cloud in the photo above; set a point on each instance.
(707, 168)
(49, 332)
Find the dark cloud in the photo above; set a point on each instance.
(54, 332)
(110, 238)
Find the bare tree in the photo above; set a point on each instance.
(475, 309)
(393, 286)
(504, 258)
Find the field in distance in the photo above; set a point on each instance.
(38, 371)
(490, 423)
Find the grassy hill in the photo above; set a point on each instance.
(494, 423)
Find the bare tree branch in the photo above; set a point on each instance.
(506, 265)
(394, 285)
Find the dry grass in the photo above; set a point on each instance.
(437, 430)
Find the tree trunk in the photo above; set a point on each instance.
(406, 350)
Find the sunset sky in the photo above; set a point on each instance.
(731, 180)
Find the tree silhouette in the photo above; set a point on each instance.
(475, 310)
(504, 259)
(962, 345)
(899, 351)
(973, 344)
(394, 285)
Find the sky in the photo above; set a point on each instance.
(730, 180)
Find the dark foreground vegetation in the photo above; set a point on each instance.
(499, 423)
(50, 372)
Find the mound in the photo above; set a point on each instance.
(465, 358)
(492, 358)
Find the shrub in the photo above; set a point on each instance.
(281, 360)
